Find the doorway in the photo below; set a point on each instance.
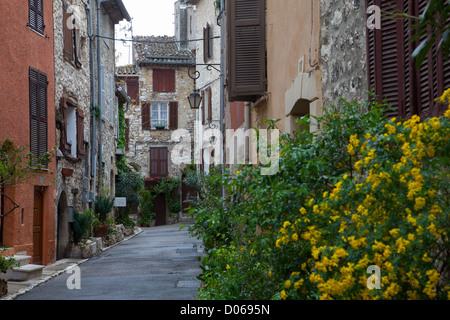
(63, 235)
(37, 225)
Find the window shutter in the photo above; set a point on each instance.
(246, 49)
(145, 113)
(34, 113)
(133, 91)
(208, 90)
(63, 139)
(80, 134)
(77, 47)
(159, 162)
(203, 107)
(38, 112)
(169, 81)
(127, 134)
(391, 70)
(173, 115)
(68, 35)
(206, 43)
(36, 15)
(157, 81)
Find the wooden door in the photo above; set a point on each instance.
(37, 227)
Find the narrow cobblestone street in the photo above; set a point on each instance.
(159, 263)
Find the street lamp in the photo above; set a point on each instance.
(195, 99)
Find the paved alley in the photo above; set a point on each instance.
(161, 263)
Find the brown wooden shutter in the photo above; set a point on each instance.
(133, 91)
(208, 90)
(80, 134)
(34, 113)
(36, 15)
(146, 118)
(173, 115)
(38, 112)
(157, 80)
(159, 160)
(64, 146)
(247, 39)
(169, 80)
(203, 107)
(391, 70)
(163, 80)
(207, 43)
(127, 134)
(68, 35)
(77, 47)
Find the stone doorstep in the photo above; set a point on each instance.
(22, 260)
(24, 273)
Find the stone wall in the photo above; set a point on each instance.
(76, 81)
(206, 13)
(141, 140)
(343, 50)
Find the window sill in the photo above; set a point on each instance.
(37, 32)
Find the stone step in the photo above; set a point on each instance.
(24, 273)
(22, 260)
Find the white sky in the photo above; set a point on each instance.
(151, 17)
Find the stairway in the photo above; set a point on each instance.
(25, 271)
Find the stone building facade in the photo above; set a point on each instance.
(85, 135)
(73, 99)
(158, 86)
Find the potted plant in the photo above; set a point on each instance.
(160, 127)
(102, 206)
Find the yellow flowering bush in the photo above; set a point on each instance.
(366, 191)
(390, 210)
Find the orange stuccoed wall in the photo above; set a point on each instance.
(20, 49)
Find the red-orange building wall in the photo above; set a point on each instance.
(20, 49)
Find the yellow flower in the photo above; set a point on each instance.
(302, 210)
(419, 203)
(228, 267)
(283, 295)
(447, 113)
(287, 284)
(298, 284)
(394, 232)
(295, 237)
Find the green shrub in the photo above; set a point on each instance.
(364, 191)
(82, 224)
(103, 205)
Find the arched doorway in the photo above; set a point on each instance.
(63, 235)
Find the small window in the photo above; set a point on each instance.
(36, 15)
(160, 116)
(72, 130)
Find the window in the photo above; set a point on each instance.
(72, 130)
(38, 112)
(160, 115)
(155, 114)
(133, 91)
(207, 43)
(159, 158)
(72, 38)
(36, 15)
(246, 52)
(391, 71)
(163, 80)
(206, 106)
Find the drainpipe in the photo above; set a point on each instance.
(94, 98)
(222, 91)
(100, 84)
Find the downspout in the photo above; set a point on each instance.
(94, 98)
(99, 84)
(222, 91)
